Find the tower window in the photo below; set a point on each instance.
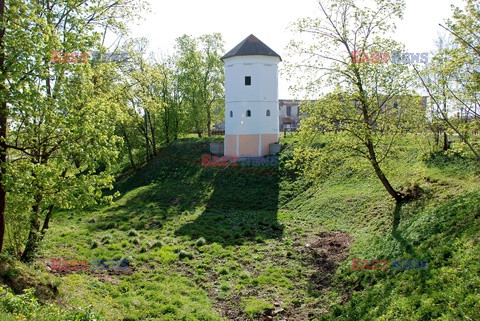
(289, 111)
(248, 80)
(231, 113)
(268, 112)
(249, 113)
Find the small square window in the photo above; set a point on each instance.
(248, 80)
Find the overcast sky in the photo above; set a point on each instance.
(268, 20)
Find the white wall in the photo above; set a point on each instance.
(261, 95)
(258, 123)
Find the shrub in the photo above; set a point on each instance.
(184, 254)
(26, 307)
(106, 239)
(133, 232)
(200, 242)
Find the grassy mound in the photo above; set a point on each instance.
(250, 243)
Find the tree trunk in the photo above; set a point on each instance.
(34, 234)
(166, 124)
(199, 132)
(373, 160)
(445, 141)
(3, 163)
(152, 131)
(3, 128)
(166, 118)
(371, 150)
(145, 130)
(129, 149)
(167, 129)
(47, 220)
(176, 128)
(209, 122)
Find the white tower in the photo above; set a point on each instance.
(251, 98)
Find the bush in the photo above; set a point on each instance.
(132, 232)
(106, 239)
(200, 242)
(26, 307)
(156, 244)
(94, 245)
(184, 254)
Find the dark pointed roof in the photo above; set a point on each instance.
(251, 46)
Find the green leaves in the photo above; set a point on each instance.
(200, 79)
(452, 79)
(369, 103)
(61, 134)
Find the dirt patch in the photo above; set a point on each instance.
(322, 253)
(332, 245)
(328, 249)
(106, 278)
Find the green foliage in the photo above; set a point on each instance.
(61, 141)
(369, 104)
(26, 307)
(452, 80)
(448, 238)
(166, 99)
(184, 254)
(200, 77)
(254, 307)
(132, 232)
(200, 242)
(209, 259)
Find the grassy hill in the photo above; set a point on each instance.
(244, 243)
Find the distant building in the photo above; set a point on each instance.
(290, 113)
(468, 115)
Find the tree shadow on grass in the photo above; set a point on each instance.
(239, 203)
(397, 213)
(180, 160)
(242, 207)
(169, 185)
(408, 248)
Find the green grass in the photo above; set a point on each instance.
(27, 307)
(231, 243)
(447, 236)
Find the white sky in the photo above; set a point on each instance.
(268, 20)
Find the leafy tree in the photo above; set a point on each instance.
(20, 62)
(189, 76)
(452, 80)
(200, 76)
(166, 98)
(371, 102)
(152, 104)
(58, 117)
(212, 90)
(140, 96)
(173, 112)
